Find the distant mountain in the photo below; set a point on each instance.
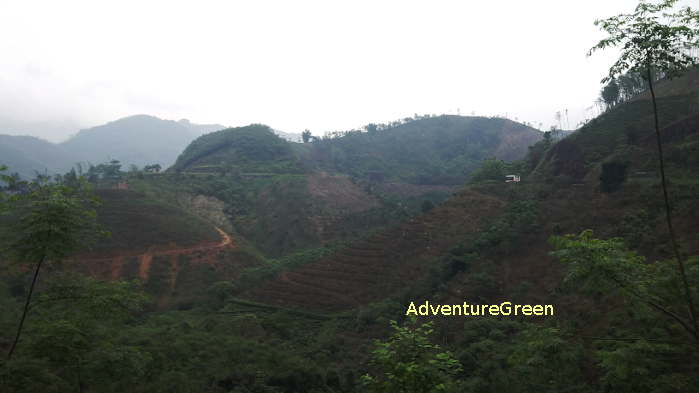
(27, 155)
(138, 140)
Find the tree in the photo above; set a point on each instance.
(109, 172)
(491, 169)
(50, 222)
(650, 343)
(548, 137)
(7, 180)
(608, 267)
(306, 136)
(155, 168)
(73, 337)
(654, 40)
(610, 93)
(613, 176)
(409, 363)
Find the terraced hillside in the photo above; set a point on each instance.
(512, 264)
(177, 255)
(383, 264)
(337, 189)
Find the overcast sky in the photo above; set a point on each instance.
(323, 65)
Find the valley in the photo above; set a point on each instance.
(248, 262)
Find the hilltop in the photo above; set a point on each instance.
(135, 140)
(338, 188)
(139, 140)
(249, 237)
(508, 245)
(253, 148)
(26, 155)
(434, 150)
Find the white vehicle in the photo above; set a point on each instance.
(512, 178)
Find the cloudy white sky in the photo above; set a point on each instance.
(323, 65)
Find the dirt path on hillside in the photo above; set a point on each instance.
(144, 265)
(145, 258)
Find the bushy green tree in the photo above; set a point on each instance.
(409, 363)
(491, 169)
(49, 221)
(607, 266)
(655, 40)
(651, 342)
(306, 136)
(613, 176)
(610, 93)
(71, 343)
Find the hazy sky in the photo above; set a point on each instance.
(323, 65)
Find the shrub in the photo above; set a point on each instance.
(613, 175)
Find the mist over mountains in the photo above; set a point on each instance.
(135, 140)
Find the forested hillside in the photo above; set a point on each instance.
(322, 260)
(434, 150)
(337, 265)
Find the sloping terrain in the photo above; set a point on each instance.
(380, 265)
(502, 230)
(136, 222)
(254, 148)
(176, 254)
(440, 150)
(569, 188)
(340, 188)
(26, 155)
(138, 140)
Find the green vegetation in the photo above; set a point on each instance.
(137, 222)
(253, 148)
(657, 331)
(410, 363)
(341, 219)
(655, 39)
(613, 176)
(434, 150)
(48, 222)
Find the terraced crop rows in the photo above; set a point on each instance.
(380, 265)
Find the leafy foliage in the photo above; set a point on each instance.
(435, 150)
(50, 220)
(254, 148)
(651, 38)
(659, 338)
(613, 175)
(409, 363)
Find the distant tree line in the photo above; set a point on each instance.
(374, 128)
